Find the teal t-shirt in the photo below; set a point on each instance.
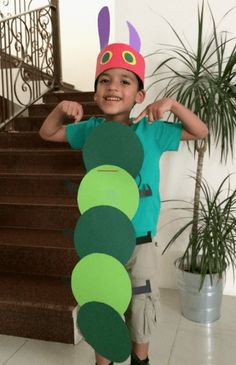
(156, 138)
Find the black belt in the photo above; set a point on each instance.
(144, 239)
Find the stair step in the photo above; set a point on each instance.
(80, 96)
(38, 212)
(47, 185)
(41, 161)
(37, 307)
(43, 110)
(30, 200)
(38, 215)
(35, 123)
(37, 252)
(28, 139)
(22, 237)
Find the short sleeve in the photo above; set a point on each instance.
(77, 133)
(169, 136)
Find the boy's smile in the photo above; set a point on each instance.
(116, 93)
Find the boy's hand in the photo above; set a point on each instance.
(71, 110)
(156, 110)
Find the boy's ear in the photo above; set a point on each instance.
(140, 96)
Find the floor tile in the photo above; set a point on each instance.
(200, 346)
(50, 353)
(176, 341)
(9, 346)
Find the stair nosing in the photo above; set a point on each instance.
(38, 204)
(31, 174)
(41, 149)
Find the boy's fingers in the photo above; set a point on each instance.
(79, 116)
(140, 116)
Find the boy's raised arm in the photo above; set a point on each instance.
(53, 128)
(193, 127)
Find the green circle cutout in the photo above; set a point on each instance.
(128, 57)
(113, 144)
(104, 229)
(108, 185)
(106, 57)
(101, 278)
(105, 331)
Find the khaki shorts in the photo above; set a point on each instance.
(141, 315)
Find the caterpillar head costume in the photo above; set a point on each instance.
(118, 55)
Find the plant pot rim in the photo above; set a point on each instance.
(177, 262)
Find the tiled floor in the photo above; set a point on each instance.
(177, 341)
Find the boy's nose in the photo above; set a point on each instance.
(113, 85)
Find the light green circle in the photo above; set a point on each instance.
(101, 278)
(109, 185)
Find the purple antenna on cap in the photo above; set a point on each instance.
(104, 26)
(134, 39)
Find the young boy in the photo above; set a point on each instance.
(118, 87)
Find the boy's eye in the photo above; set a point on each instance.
(103, 80)
(125, 82)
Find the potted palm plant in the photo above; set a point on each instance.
(210, 250)
(204, 81)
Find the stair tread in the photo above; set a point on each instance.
(43, 150)
(14, 236)
(65, 201)
(31, 139)
(34, 292)
(26, 175)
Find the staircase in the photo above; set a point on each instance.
(38, 213)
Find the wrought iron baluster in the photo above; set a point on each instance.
(30, 58)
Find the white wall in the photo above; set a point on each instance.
(79, 21)
(148, 17)
(80, 41)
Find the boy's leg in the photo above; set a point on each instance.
(141, 316)
(141, 350)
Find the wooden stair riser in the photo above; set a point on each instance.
(80, 97)
(35, 123)
(34, 161)
(31, 140)
(39, 217)
(37, 307)
(43, 110)
(45, 325)
(47, 261)
(50, 186)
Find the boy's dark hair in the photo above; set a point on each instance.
(140, 83)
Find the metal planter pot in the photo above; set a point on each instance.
(203, 306)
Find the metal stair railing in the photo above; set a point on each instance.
(30, 59)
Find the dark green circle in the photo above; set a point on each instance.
(113, 144)
(106, 57)
(104, 329)
(128, 57)
(105, 229)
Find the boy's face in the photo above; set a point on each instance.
(116, 93)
